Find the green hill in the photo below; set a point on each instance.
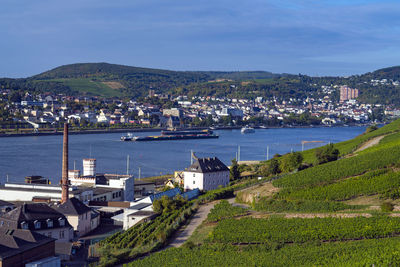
(341, 213)
(108, 80)
(112, 80)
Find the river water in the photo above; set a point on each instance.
(41, 155)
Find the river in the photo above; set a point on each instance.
(41, 155)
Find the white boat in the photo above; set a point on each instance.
(246, 130)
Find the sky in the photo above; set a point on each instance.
(313, 37)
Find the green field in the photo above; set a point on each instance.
(88, 86)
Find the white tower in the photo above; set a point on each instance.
(89, 167)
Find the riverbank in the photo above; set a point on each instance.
(125, 130)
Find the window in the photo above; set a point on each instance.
(49, 223)
(194, 182)
(61, 221)
(194, 175)
(37, 224)
(86, 216)
(61, 234)
(24, 225)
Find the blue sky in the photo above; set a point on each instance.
(320, 37)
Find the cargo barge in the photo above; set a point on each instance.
(186, 132)
(130, 137)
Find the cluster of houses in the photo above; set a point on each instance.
(42, 224)
(49, 109)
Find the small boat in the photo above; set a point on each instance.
(246, 130)
(127, 137)
(263, 127)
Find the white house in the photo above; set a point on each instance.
(206, 174)
(78, 215)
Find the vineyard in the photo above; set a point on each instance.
(383, 252)
(370, 183)
(142, 238)
(224, 210)
(298, 230)
(283, 205)
(333, 171)
(349, 146)
(362, 235)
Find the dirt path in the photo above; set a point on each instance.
(369, 143)
(195, 221)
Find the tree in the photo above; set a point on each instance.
(326, 154)
(291, 161)
(234, 173)
(273, 166)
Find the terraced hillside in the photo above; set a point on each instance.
(341, 213)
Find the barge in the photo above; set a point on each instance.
(130, 137)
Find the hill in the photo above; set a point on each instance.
(116, 80)
(111, 80)
(341, 213)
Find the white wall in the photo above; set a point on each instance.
(205, 181)
(193, 180)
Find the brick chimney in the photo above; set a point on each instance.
(64, 179)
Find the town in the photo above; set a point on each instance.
(49, 225)
(335, 105)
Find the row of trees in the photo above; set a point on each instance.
(294, 160)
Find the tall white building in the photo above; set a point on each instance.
(206, 174)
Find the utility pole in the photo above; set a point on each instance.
(191, 157)
(127, 165)
(238, 153)
(139, 173)
(267, 152)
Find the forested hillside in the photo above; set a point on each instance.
(111, 80)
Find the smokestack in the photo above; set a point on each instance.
(64, 179)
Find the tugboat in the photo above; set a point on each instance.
(246, 130)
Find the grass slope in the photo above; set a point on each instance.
(88, 86)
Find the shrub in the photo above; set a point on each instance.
(326, 154)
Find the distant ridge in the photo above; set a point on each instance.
(86, 70)
(113, 80)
